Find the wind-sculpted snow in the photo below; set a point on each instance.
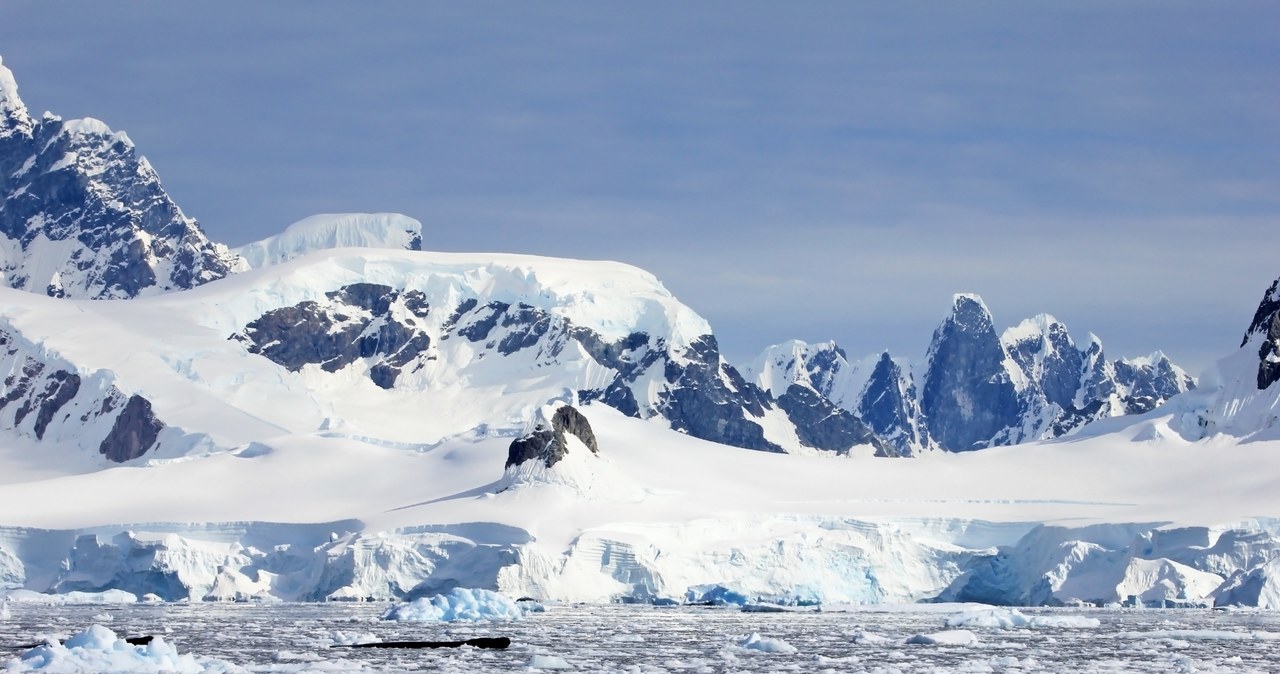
(82, 215)
(329, 231)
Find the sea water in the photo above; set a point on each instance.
(618, 638)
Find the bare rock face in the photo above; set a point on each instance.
(135, 431)
(547, 442)
(1266, 321)
(968, 396)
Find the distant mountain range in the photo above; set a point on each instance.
(84, 216)
(977, 388)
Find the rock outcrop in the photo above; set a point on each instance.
(1266, 327)
(547, 442)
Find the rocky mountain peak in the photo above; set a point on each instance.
(970, 314)
(1266, 325)
(967, 395)
(84, 216)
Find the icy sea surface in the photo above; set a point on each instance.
(300, 638)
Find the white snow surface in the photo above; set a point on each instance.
(327, 231)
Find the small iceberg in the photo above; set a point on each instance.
(755, 642)
(946, 638)
(458, 605)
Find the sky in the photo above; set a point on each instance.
(815, 170)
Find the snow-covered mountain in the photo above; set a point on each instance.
(379, 422)
(86, 218)
(354, 340)
(82, 215)
(977, 388)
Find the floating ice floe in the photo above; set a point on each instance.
(999, 618)
(1215, 635)
(868, 638)
(540, 661)
(98, 650)
(106, 597)
(946, 638)
(459, 604)
(755, 642)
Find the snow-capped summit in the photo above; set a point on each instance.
(84, 216)
(14, 119)
(329, 230)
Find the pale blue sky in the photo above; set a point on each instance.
(812, 170)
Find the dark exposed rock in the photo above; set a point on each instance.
(548, 444)
(479, 330)
(703, 404)
(1266, 321)
(822, 425)
(526, 327)
(356, 322)
(62, 387)
(1269, 355)
(1264, 317)
(134, 432)
(967, 395)
(889, 408)
(1052, 361)
(1149, 383)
